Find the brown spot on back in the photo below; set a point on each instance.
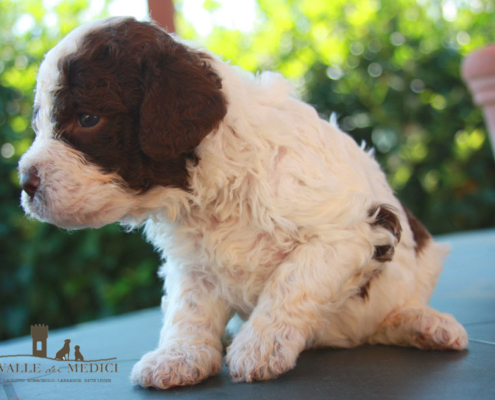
(364, 289)
(385, 218)
(384, 253)
(420, 233)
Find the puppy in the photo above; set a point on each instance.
(63, 353)
(258, 206)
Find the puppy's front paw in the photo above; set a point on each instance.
(257, 357)
(176, 365)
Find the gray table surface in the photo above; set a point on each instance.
(466, 289)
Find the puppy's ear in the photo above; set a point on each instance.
(182, 102)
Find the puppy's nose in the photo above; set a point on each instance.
(30, 181)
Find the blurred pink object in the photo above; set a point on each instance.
(478, 70)
(162, 12)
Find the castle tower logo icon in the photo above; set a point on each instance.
(39, 334)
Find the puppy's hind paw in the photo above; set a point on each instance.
(442, 333)
(422, 327)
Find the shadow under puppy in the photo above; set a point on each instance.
(259, 207)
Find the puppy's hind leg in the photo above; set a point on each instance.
(290, 310)
(422, 327)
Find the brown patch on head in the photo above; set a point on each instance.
(420, 233)
(385, 218)
(156, 99)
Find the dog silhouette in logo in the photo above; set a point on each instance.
(63, 353)
(78, 355)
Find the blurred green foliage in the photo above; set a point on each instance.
(389, 69)
(48, 275)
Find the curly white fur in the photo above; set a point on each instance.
(276, 228)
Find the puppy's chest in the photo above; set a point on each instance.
(238, 257)
(236, 253)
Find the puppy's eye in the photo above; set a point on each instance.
(87, 121)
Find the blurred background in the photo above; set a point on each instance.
(388, 68)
